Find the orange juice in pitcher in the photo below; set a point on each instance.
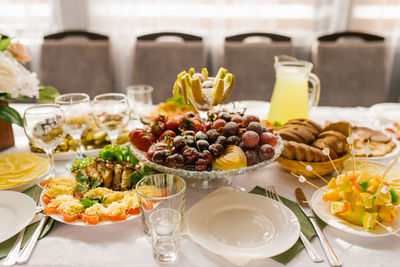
(291, 98)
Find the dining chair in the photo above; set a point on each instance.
(73, 61)
(159, 57)
(351, 67)
(250, 57)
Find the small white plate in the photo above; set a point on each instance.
(242, 226)
(323, 212)
(16, 211)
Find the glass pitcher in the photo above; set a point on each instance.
(292, 98)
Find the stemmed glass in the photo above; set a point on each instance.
(76, 107)
(44, 125)
(111, 114)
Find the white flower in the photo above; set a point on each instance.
(15, 79)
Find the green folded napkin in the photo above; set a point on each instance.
(6, 246)
(306, 227)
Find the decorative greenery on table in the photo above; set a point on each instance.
(16, 82)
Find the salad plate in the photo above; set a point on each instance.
(323, 212)
(263, 227)
(16, 212)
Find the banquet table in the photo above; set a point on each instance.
(124, 244)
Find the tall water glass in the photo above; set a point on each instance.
(140, 99)
(44, 125)
(165, 233)
(111, 114)
(160, 191)
(76, 107)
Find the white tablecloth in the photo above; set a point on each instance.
(124, 244)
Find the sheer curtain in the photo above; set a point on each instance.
(124, 20)
(28, 21)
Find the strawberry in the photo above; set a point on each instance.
(134, 133)
(157, 128)
(165, 135)
(143, 141)
(197, 125)
(160, 118)
(171, 124)
(186, 124)
(207, 126)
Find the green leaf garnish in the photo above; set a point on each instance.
(82, 178)
(95, 183)
(81, 164)
(363, 186)
(139, 174)
(119, 153)
(178, 100)
(80, 189)
(4, 43)
(87, 202)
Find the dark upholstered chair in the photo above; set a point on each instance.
(252, 63)
(159, 57)
(352, 69)
(77, 61)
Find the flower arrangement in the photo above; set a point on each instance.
(16, 82)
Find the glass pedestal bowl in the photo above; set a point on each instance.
(207, 180)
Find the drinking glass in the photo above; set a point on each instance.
(76, 107)
(165, 230)
(140, 99)
(160, 191)
(111, 114)
(44, 125)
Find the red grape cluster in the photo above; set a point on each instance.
(188, 142)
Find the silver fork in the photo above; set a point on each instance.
(312, 252)
(26, 252)
(12, 256)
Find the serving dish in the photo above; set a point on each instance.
(205, 174)
(20, 170)
(322, 211)
(322, 168)
(60, 219)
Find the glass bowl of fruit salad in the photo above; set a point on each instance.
(207, 154)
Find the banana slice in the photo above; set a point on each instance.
(177, 84)
(229, 81)
(186, 87)
(204, 73)
(220, 75)
(191, 72)
(197, 91)
(218, 92)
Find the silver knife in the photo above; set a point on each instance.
(330, 253)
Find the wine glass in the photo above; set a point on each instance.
(76, 107)
(140, 99)
(44, 125)
(111, 113)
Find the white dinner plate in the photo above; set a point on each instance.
(242, 226)
(323, 212)
(60, 219)
(385, 112)
(16, 211)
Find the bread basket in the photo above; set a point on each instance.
(322, 168)
(306, 143)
